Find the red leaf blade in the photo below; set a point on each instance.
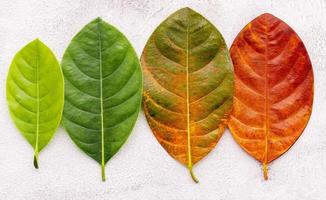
(273, 88)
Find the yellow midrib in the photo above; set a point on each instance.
(188, 113)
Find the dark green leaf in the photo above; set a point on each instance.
(102, 90)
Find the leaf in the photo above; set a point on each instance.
(35, 94)
(273, 88)
(103, 86)
(188, 86)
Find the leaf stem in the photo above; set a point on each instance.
(265, 171)
(193, 175)
(35, 161)
(103, 172)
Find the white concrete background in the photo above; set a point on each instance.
(142, 170)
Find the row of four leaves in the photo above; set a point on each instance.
(191, 92)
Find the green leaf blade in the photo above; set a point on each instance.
(35, 94)
(102, 90)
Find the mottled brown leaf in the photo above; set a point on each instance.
(188, 86)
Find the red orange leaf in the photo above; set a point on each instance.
(273, 88)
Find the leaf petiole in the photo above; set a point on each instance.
(36, 161)
(193, 175)
(103, 172)
(265, 171)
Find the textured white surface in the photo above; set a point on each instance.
(142, 170)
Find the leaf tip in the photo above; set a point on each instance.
(37, 41)
(188, 9)
(98, 19)
(266, 16)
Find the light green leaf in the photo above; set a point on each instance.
(102, 90)
(35, 94)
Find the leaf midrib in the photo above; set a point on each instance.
(187, 101)
(37, 106)
(101, 101)
(266, 125)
